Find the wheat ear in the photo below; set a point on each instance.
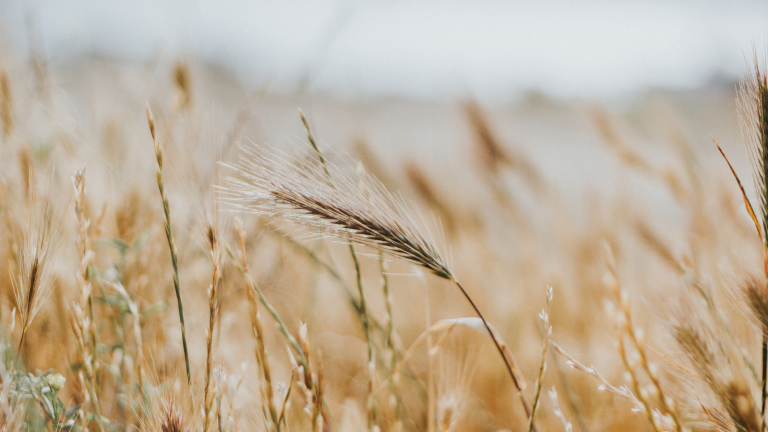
(35, 281)
(752, 102)
(300, 193)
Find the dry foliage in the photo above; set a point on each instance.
(318, 298)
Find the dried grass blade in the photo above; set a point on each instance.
(747, 203)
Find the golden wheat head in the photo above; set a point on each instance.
(752, 104)
(34, 283)
(327, 202)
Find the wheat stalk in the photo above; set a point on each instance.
(84, 328)
(169, 236)
(544, 316)
(391, 350)
(300, 193)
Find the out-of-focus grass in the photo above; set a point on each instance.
(630, 217)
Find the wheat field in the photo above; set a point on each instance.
(315, 257)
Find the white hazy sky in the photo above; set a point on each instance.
(491, 49)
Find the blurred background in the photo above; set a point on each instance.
(396, 73)
(533, 132)
(494, 51)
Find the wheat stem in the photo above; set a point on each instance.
(543, 365)
(171, 242)
(213, 309)
(523, 400)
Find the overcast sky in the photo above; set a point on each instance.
(491, 49)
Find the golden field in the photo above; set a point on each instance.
(627, 211)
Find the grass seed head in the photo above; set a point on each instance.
(300, 193)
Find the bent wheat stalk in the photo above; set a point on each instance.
(300, 193)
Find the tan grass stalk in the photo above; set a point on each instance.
(626, 330)
(371, 366)
(391, 350)
(603, 384)
(300, 193)
(169, 236)
(371, 369)
(313, 385)
(219, 376)
(80, 323)
(312, 382)
(213, 310)
(431, 352)
(318, 402)
(271, 416)
(544, 316)
(311, 139)
(559, 412)
(287, 397)
(747, 203)
(241, 263)
(86, 254)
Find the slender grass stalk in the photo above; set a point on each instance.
(85, 329)
(273, 422)
(391, 350)
(313, 383)
(171, 242)
(213, 310)
(431, 420)
(544, 316)
(241, 264)
(365, 318)
(86, 255)
(311, 138)
(370, 403)
(559, 412)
